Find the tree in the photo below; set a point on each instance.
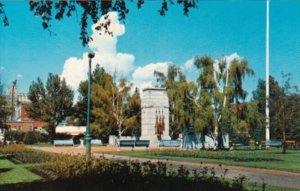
(49, 10)
(207, 99)
(255, 121)
(51, 103)
(219, 85)
(259, 95)
(287, 107)
(180, 91)
(123, 104)
(5, 110)
(113, 107)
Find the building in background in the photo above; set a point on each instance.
(20, 121)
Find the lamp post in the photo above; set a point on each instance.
(88, 131)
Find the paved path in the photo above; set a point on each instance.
(271, 177)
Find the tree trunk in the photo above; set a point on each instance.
(283, 142)
(52, 133)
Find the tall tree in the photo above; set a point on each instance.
(208, 98)
(180, 92)
(259, 95)
(5, 110)
(219, 85)
(114, 108)
(51, 102)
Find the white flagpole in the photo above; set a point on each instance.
(267, 75)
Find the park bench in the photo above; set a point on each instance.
(274, 143)
(142, 143)
(290, 143)
(68, 142)
(96, 142)
(169, 143)
(127, 143)
(132, 143)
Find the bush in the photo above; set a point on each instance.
(30, 138)
(66, 172)
(238, 157)
(101, 173)
(20, 153)
(14, 149)
(16, 136)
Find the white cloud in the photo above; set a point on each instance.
(189, 64)
(19, 76)
(143, 77)
(232, 57)
(105, 48)
(189, 69)
(228, 60)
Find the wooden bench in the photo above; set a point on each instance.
(169, 143)
(68, 142)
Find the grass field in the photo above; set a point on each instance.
(11, 173)
(269, 159)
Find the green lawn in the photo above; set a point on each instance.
(270, 159)
(15, 173)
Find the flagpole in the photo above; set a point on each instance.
(267, 74)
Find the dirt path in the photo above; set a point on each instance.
(271, 177)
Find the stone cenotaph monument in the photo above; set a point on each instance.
(155, 116)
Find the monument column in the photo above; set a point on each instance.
(155, 115)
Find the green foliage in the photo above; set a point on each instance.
(16, 136)
(284, 102)
(259, 95)
(233, 156)
(279, 161)
(132, 175)
(51, 102)
(5, 110)
(30, 138)
(180, 93)
(113, 108)
(14, 149)
(220, 84)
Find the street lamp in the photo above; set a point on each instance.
(88, 138)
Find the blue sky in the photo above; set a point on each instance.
(147, 41)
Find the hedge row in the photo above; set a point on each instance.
(221, 155)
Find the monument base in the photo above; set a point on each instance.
(154, 142)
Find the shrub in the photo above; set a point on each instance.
(239, 157)
(14, 149)
(103, 173)
(30, 138)
(16, 136)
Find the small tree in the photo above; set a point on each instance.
(51, 103)
(5, 111)
(287, 108)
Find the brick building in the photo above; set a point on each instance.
(20, 120)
